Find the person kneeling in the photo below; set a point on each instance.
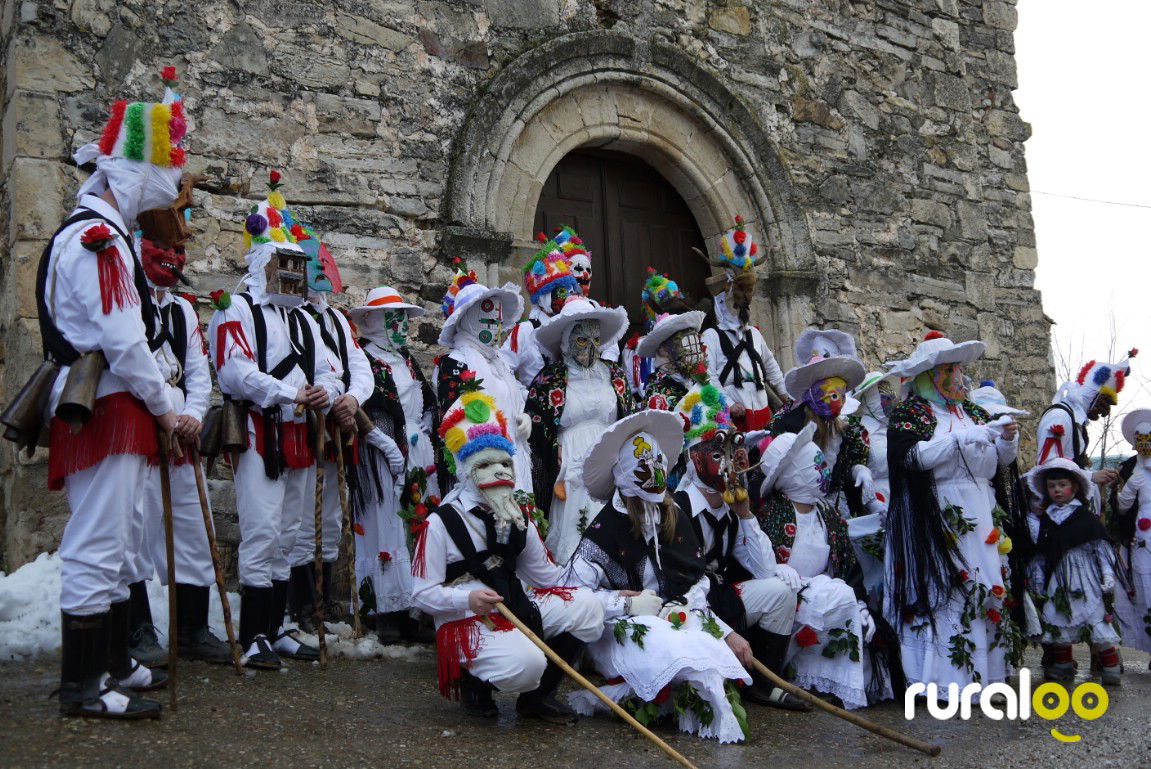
(472, 555)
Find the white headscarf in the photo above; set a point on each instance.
(724, 317)
(256, 280)
(137, 186)
(626, 464)
(799, 479)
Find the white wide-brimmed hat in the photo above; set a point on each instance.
(937, 350)
(873, 379)
(799, 379)
(823, 343)
(667, 326)
(466, 291)
(612, 324)
(1035, 475)
(1132, 421)
(993, 402)
(779, 454)
(598, 463)
(383, 298)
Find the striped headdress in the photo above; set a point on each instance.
(149, 132)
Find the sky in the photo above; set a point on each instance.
(1083, 70)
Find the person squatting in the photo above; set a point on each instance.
(670, 509)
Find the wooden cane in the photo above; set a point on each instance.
(202, 490)
(319, 556)
(579, 679)
(165, 445)
(846, 715)
(347, 536)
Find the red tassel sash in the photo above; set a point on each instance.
(120, 424)
(462, 640)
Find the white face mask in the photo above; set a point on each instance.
(641, 469)
(484, 321)
(492, 473)
(581, 268)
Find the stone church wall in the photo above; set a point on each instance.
(875, 144)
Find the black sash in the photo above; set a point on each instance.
(173, 331)
(722, 568)
(337, 344)
(56, 347)
(731, 353)
(495, 566)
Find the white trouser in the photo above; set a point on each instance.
(269, 513)
(512, 663)
(768, 603)
(103, 534)
(331, 522)
(190, 541)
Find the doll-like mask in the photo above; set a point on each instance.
(583, 343)
(740, 293)
(685, 352)
(719, 459)
(826, 397)
(949, 382)
(1143, 444)
(886, 397)
(649, 464)
(168, 227)
(484, 321)
(558, 297)
(163, 266)
(286, 273)
(581, 268)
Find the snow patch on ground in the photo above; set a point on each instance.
(30, 618)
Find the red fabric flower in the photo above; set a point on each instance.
(992, 537)
(556, 396)
(1144, 524)
(782, 554)
(963, 575)
(168, 74)
(467, 375)
(657, 401)
(274, 177)
(997, 591)
(420, 510)
(806, 637)
(619, 385)
(1057, 430)
(385, 556)
(358, 528)
(96, 238)
(994, 616)
(789, 529)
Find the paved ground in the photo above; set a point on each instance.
(387, 713)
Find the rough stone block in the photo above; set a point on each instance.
(1025, 258)
(812, 111)
(855, 103)
(32, 128)
(41, 194)
(1000, 15)
(44, 64)
(972, 220)
(523, 14)
(931, 212)
(364, 31)
(951, 92)
(735, 20)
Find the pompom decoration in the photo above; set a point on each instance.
(477, 411)
(933, 335)
(168, 75)
(221, 299)
(255, 224)
(1102, 374)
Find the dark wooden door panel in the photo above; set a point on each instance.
(629, 217)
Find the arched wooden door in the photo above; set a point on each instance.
(629, 217)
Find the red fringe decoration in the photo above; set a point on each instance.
(234, 329)
(112, 129)
(1083, 372)
(116, 285)
(1120, 379)
(461, 639)
(565, 594)
(419, 558)
(351, 450)
(293, 440)
(120, 424)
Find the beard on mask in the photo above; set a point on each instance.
(492, 473)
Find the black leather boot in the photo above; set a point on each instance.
(476, 696)
(255, 613)
(128, 671)
(143, 641)
(770, 649)
(285, 643)
(389, 627)
(302, 597)
(541, 702)
(83, 672)
(194, 641)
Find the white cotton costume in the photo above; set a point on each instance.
(192, 554)
(1133, 594)
(101, 537)
(747, 393)
(356, 378)
(270, 510)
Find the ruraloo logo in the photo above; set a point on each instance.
(1049, 701)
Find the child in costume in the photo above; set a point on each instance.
(1071, 572)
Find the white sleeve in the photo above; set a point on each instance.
(1129, 493)
(429, 592)
(753, 549)
(197, 378)
(535, 565)
(233, 354)
(1007, 450)
(328, 365)
(710, 339)
(1055, 436)
(935, 452)
(696, 597)
(584, 573)
(121, 333)
(362, 382)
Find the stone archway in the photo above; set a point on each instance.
(603, 89)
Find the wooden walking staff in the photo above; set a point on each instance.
(347, 535)
(579, 679)
(846, 715)
(321, 434)
(164, 444)
(202, 490)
